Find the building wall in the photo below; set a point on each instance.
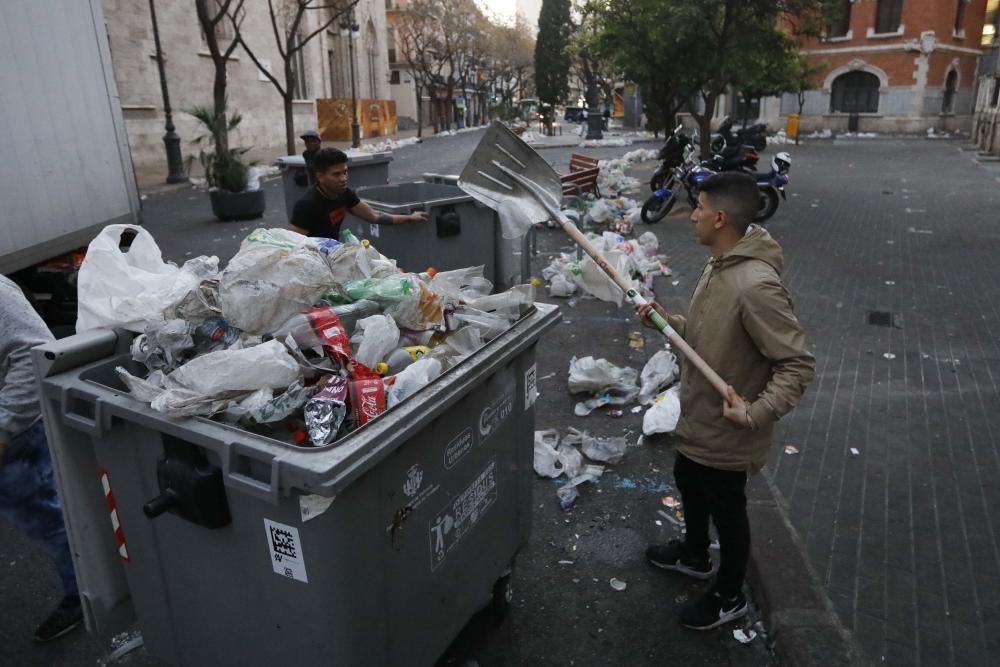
(912, 65)
(189, 72)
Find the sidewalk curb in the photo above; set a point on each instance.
(800, 618)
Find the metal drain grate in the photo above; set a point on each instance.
(883, 318)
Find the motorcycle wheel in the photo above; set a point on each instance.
(656, 208)
(659, 176)
(768, 204)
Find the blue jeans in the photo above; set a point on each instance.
(28, 497)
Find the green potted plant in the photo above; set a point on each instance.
(225, 169)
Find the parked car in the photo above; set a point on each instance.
(575, 115)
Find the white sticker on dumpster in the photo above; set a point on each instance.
(530, 387)
(287, 558)
(464, 511)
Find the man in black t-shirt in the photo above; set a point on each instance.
(322, 210)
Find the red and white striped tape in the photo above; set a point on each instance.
(113, 509)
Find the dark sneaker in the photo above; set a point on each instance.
(712, 610)
(67, 616)
(670, 556)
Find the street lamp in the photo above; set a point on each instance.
(349, 28)
(172, 143)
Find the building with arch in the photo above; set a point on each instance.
(894, 66)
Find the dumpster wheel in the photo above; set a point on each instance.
(503, 594)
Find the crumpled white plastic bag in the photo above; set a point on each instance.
(561, 286)
(132, 288)
(598, 376)
(662, 417)
(412, 379)
(546, 460)
(374, 338)
(657, 374)
(264, 285)
(211, 382)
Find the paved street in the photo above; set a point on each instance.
(901, 534)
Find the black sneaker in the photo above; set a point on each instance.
(712, 610)
(67, 616)
(670, 556)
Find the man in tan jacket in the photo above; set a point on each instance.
(741, 321)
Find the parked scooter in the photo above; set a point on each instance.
(755, 135)
(691, 175)
(671, 155)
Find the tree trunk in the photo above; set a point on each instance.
(221, 130)
(705, 124)
(801, 99)
(289, 124)
(420, 111)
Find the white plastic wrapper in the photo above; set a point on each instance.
(546, 461)
(662, 417)
(658, 373)
(412, 379)
(598, 376)
(561, 287)
(264, 285)
(374, 338)
(467, 284)
(210, 383)
(130, 289)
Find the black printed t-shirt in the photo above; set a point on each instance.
(322, 216)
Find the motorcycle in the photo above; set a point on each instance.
(691, 174)
(671, 155)
(755, 135)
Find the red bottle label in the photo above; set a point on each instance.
(367, 400)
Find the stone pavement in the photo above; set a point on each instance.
(890, 250)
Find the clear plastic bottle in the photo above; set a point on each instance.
(216, 333)
(400, 359)
(321, 326)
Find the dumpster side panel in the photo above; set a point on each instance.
(215, 597)
(455, 497)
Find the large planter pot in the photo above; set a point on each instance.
(237, 205)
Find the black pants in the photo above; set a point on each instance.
(719, 495)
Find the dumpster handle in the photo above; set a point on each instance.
(91, 425)
(237, 468)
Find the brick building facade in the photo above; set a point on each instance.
(900, 65)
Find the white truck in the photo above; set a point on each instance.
(65, 166)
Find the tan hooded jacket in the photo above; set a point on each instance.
(741, 321)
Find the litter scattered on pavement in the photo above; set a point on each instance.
(618, 584)
(636, 341)
(670, 502)
(663, 416)
(566, 562)
(744, 636)
(889, 355)
(855, 451)
(616, 413)
(914, 230)
(791, 449)
(658, 522)
(636, 410)
(611, 385)
(890, 282)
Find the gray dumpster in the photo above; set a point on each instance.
(375, 550)
(363, 170)
(459, 232)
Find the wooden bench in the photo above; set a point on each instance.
(582, 176)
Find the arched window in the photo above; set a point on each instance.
(950, 84)
(855, 92)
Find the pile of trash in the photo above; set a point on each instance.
(619, 214)
(607, 384)
(611, 177)
(383, 146)
(635, 258)
(302, 339)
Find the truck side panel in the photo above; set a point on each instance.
(66, 170)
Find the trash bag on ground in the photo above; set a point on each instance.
(663, 415)
(609, 449)
(561, 286)
(546, 460)
(600, 376)
(658, 373)
(128, 289)
(568, 492)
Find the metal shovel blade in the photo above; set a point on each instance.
(497, 170)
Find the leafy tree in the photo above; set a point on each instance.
(552, 60)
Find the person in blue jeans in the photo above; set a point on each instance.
(28, 496)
